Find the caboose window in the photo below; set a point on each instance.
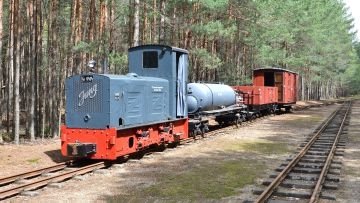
(150, 59)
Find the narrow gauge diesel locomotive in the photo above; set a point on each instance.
(109, 116)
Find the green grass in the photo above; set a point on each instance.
(33, 161)
(266, 148)
(208, 181)
(305, 119)
(352, 171)
(259, 146)
(354, 137)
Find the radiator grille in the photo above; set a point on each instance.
(88, 96)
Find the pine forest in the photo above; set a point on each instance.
(44, 41)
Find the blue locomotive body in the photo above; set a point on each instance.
(100, 101)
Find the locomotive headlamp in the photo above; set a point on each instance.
(91, 65)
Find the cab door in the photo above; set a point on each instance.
(181, 83)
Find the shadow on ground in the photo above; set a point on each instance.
(56, 156)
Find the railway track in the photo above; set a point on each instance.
(32, 180)
(314, 168)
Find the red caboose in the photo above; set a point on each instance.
(272, 88)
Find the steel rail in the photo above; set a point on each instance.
(54, 179)
(316, 193)
(278, 180)
(30, 174)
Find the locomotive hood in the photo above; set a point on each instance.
(100, 101)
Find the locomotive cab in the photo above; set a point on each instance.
(165, 62)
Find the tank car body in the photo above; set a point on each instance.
(108, 116)
(204, 96)
(217, 101)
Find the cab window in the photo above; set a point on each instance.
(150, 59)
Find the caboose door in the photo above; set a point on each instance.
(279, 85)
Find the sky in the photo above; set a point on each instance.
(354, 9)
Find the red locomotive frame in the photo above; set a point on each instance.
(112, 143)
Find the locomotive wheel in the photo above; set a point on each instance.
(172, 145)
(222, 124)
(238, 122)
(253, 117)
(202, 134)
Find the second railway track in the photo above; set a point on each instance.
(32, 180)
(314, 168)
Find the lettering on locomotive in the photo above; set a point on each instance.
(84, 95)
(157, 89)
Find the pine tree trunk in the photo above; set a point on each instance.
(154, 23)
(55, 67)
(145, 26)
(136, 23)
(78, 35)
(38, 62)
(10, 52)
(2, 84)
(32, 70)
(70, 55)
(17, 40)
(102, 28)
(91, 26)
(162, 22)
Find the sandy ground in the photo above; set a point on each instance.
(349, 188)
(18, 159)
(192, 172)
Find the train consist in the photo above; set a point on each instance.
(110, 116)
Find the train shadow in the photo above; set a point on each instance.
(56, 156)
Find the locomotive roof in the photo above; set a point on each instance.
(159, 45)
(132, 75)
(114, 76)
(275, 68)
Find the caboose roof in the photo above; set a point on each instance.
(275, 69)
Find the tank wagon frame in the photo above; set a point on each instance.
(212, 101)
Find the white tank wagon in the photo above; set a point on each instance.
(217, 101)
(205, 97)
